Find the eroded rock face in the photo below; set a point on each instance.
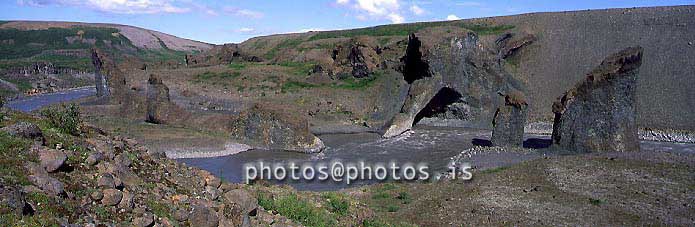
(510, 119)
(110, 81)
(509, 43)
(452, 62)
(158, 100)
(599, 113)
(276, 127)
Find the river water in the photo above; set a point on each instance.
(434, 146)
(31, 103)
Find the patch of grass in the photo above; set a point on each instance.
(298, 210)
(159, 209)
(392, 208)
(12, 159)
(298, 68)
(66, 118)
(495, 170)
(406, 29)
(404, 197)
(102, 213)
(296, 85)
(287, 43)
(337, 203)
(352, 83)
(596, 202)
(212, 76)
(237, 65)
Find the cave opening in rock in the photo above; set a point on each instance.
(439, 104)
(415, 68)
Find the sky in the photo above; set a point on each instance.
(233, 21)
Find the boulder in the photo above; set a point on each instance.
(25, 130)
(13, 198)
(275, 127)
(243, 198)
(52, 160)
(509, 121)
(47, 184)
(111, 197)
(94, 158)
(146, 220)
(203, 216)
(106, 181)
(599, 113)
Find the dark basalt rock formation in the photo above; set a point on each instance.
(510, 119)
(160, 109)
(599, 113)
(110, 80)
(509, 43)
(450, 73)
(275, 127)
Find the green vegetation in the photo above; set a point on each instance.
(237, 65)
(406, 29)
(287, 43)
(27, 43)
(495, 170)
(595, 202)
(66, 118)
(298, 68)
(212, 76)
(302, 211)
(337, 203)
(295, 85)
(12, 156)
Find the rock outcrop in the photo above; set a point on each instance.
(109, 79)
(25, 130)
(449, 70)
(509, 121)
(276, 127)
(510, 43)
(599, 113)
(158, 101)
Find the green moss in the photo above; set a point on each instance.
(295, 85)
(212, 77)
(302, 211)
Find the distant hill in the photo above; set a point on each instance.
(66, 44)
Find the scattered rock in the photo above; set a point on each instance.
(510, 120)
(48, 184)
(94, 158)
(111, 197)
(106, 181)
(96, 195)
(127, 203)
(146, 220)
(180, 215)
(599, 113)
(51, 159)
(202, 216)
(13, 198)
(243, 198)
(25, 130)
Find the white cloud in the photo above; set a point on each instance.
(452, 17)
(243, 12)
(246, 30)
(375, 9)
(417, 10)
(469, 4)
(115, 6)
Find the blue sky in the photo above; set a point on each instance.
(224, 21)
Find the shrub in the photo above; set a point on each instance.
(66, 118)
